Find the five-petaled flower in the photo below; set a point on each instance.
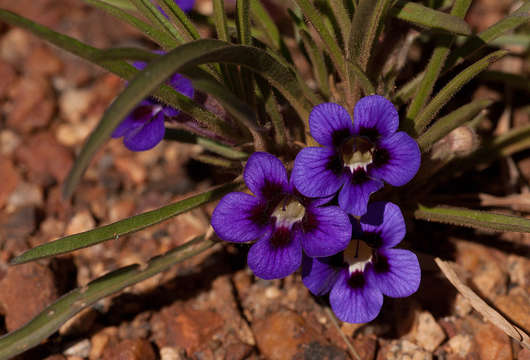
(356, 157)
(358, 277)
(279, 219)
(144, 127)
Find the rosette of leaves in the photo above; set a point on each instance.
(354, 49)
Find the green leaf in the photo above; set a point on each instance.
(151, 12)
(318, 62)
(53, 316)
(434, 67)
(446, 124)
(122, 4)
(506, 144)
(160, 37)
(449, 90)
(230, 72)
(512, 39)
(243, 22)
(364, 28)
(516, 81)
(186, 56)
(122, 227)
(366, 25)
(519, 17)
(363, 80)
(119, 54)
(472, 218)
(433, 19)
(237, 108)
(336, 54)
(208, 144)
(342, 16)
(187, 30)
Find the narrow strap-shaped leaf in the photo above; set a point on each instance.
(433, 19)
(186, 28)
(245, 38)
(519, 17)
(122, 227)
(188, 55)
(229, 72)
(472, 218)
(53, 316)
(337, 56)
(361, 78)
(272, 110)
(406, 91)
(510, 142)
(449, 90)
(243, 22)
(122, 4)
(161, 37)
(237, 108)
(342, 16)
(434, 67)
(220, 20)
(151, 12)
(263, 19)
(470, 47)
(318, 61)
(451, 121)
(522, 40)
(364, 28)
(516, 81)
(186, 137)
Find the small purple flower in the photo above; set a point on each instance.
(279, 219)
(185, 5)
(369, 268)
(356, 157)
(144, 127)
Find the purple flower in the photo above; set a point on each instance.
(185, 5)
(279, 219)
(357, 157)
(144, 127)
(369, 268)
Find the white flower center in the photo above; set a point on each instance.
(357, 153)
(357, 255)
(156, 109)
(288, 212)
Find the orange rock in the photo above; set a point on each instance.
(10, 179)
(184, 327)
(32, 104)
(25, 291)
(137, 349)
(493, 344)
(516, 306)
(285, 335)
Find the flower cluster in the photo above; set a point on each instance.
(294, 222)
